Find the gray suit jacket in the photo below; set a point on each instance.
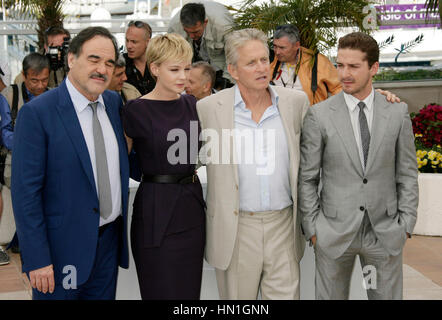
(388, 189)
(216, 113)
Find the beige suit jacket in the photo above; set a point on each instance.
(216, 112)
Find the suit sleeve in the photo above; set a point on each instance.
(406, 174)
(309, 173)
(27, 183)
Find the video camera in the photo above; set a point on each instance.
(57, 54)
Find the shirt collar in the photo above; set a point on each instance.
(352, 102)
(238, 102)
(79, 100)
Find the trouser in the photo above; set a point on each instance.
(102, 282)
(382, 272)
(263, 258)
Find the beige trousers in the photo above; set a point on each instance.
(263, 259)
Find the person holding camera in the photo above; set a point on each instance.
(204, 25)
(56, 45)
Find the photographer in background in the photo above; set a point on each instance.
(56, 45)
(35, 82)
(204, 25)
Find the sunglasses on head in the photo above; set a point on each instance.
(137, 23)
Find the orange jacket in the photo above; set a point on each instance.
(327, 76)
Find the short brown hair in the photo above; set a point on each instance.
(55, 31)
(363, 42)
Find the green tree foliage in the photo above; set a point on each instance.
(317, 20)
(47, 12)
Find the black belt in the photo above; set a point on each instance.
(170, 178)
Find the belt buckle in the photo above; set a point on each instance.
(193, 178)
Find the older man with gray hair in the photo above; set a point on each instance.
(118, 82)
(200, 80)
(254, 237)
(300, 68)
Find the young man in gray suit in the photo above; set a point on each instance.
(368, 202)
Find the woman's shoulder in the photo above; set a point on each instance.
(188, 98)
(134, 106)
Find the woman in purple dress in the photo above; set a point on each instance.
(168, 222)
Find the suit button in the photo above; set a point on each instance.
(96, 210)
(236, 187)
(365, 181)
(235, 213)
(361, 208)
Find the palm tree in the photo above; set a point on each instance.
(47, 12)
(317, 20)
(433, 7)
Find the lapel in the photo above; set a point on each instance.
(341, 120)
(225, 117)
(378, 127)
(122, 147)
(287, 116)
(70, 121)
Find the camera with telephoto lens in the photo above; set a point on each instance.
(57, 54)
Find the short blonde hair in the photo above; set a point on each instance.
(238, 38)
(169, 46)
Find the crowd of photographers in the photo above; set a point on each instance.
(131, 78)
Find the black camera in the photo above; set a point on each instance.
(57, 54)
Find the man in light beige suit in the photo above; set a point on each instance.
(254, 237)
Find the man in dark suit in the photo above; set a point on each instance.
(70, 178)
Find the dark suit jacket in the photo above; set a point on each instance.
(54, 196)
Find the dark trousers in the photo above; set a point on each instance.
(102, 282)
(172, 271)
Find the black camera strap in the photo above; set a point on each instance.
(14, 107)
(24, 93)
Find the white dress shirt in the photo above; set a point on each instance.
(263, 167)
(85, 114)
(352, 104)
